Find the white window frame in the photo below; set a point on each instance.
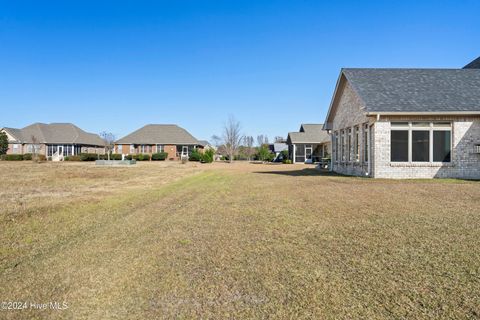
(160, 148)
(430, 128)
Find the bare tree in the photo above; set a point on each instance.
(261, 140)
(248, 143)
(279, 139)
(35, 148)
(109, 140)
(232, 138)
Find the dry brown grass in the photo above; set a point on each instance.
(236, 241)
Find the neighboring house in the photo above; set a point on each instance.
(277, 148)
(309, 145)
(54, 140)
(154, 138)
(406, 123)
(205, 145)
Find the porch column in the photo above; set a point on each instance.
(294, 153)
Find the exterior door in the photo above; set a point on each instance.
(308, 153)
(184, 151)
(60, 150)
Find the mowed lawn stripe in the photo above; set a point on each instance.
(236, 243)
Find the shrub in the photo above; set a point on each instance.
(115, 156)
(207, 156)
(13, 157)
(27, 156)
(161, 156)
(287, 161)
(73, 158)
(88, 157)
(195, 155)
(141, 157)
(128, 157)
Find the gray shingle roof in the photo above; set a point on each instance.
(15, 133)
(475, 64)
(309, 133)
(203, 143)
(56, 133)
(159, 134)
(416, 90)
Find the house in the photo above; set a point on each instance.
(277, 148)
(205, 145)
(309, 145)
(155, 138)
(54, 140)
(406, 123)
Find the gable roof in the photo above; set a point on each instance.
(55, 133)
(14, 133)
(475, 64)
(159, 134)
(309, 133)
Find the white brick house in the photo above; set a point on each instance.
(406, 123)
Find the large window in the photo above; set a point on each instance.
(399, 143)
(441, 146)
(159, 148)
(344, 144)
(420, 142)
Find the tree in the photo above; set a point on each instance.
(279, 139)
(261, 140)
(264, 153)
(109, 140)
(3, 143)
(248, 143)
(35, 148)
(232, 138)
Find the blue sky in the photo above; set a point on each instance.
(115, 66)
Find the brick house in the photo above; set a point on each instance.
(155, 138)
(406, 123)
(54, 140)
(309, 145)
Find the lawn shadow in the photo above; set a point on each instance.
(302, 172)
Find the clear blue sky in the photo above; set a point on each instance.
(113, 65)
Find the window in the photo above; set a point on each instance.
(365, 143)
(336, 146)
(399, 146)
(441, 146)
(132, 148)
(144, 148)
(159, 148)
(356, 146)
(349, 145)
(420, 142)
(344, 144)
(420, 146)
(77, 149)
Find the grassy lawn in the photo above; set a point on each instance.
(165, 240)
